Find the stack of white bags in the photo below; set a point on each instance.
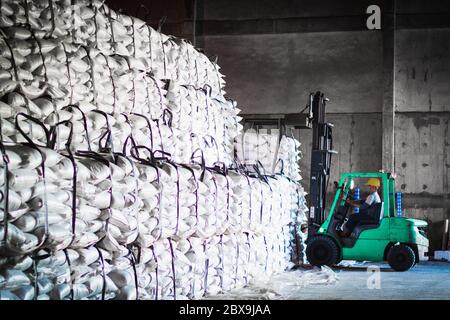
(265, 147)
(118, 178)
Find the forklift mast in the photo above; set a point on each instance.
(321, 151)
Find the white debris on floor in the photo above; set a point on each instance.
(286, 285)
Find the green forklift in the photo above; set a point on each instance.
(400, 241)
(387, 236)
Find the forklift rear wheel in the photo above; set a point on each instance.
(401, 257)
(322, 250)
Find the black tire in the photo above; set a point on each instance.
(322, 250)
(401, 257)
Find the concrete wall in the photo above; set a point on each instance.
(267, 72)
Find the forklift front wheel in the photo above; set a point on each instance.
(322, 250)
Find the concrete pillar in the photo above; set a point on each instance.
(388, 29)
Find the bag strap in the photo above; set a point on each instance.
(32, 119)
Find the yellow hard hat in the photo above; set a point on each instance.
(375, 182)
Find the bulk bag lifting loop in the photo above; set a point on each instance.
(102, 260)
(168, 113)
(132, 259)
(108, 146)
(6, 189)
(173, 270)
(42, 173)
(52, 142)
(221, 168)
(66, 55)
(72, 294)
(202, 162)
(52, 19)
(83, 116)
(36, 258)
(156, 271)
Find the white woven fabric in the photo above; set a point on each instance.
(126, 192)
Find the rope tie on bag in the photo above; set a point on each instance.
(221, 261)
(132, 259)
(206, 269)
(156, 272)
(202, 162)
(222, 169)
(134, 84)
(94, 8)
(196, 72)
(267, 253)
(30, 143)
(108, 147)
(250, 199)
(83, 116)
(215, 201)
(5, 158)
(161, 22)
(207, 110)
(40, 53)
(249, 255)
(133, 36)
(150, 46)
(71, 280)
(271, 202)
(72, 34)
(52, 141)
(112, 81)
(52, 19)
(27, 14)
(35, 257)
(102, 260)
(160, 134)
(136, 180)
(214, 142)
(110, 20)
(148, 95)
(68, 72)
(173, 269)
(91, 73)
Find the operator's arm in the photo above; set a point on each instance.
(362, 204)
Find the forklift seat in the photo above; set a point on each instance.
(375, 211)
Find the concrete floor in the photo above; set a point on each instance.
(429, 280)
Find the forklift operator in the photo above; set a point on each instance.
(363, 205)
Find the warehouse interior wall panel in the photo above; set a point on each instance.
(344, 65)
(422, 70)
